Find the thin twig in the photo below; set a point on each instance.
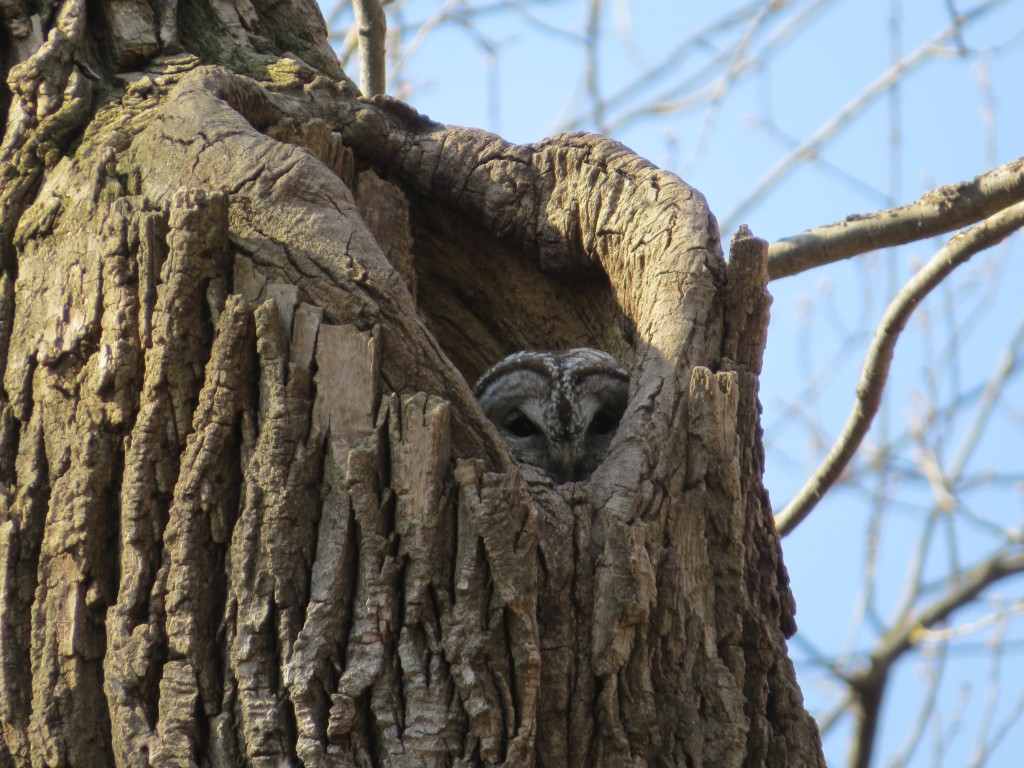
(843, 117)
(879, 358)
(916, 733)
(592, 73)
(1009, 722)
(868, 684)
(914, 629)
(989, 397)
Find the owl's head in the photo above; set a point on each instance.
(556, 410)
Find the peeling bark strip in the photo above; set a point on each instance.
(250, 511)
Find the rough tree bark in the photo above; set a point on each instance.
(250, 513)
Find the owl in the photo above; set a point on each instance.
(556, 410)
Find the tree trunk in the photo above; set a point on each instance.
(251, 513)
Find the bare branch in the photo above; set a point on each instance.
(916, 733)
(842, 118)
(728, 62)
(591, 46)
(827, 720)
(868, 685)
(1001, 732)
(876, 367)
(941, 210)
(372, 32)
(970, 584)
(989, 396)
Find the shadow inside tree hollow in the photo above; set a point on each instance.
(483, 298)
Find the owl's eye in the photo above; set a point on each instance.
(604, 422)
(520, 426)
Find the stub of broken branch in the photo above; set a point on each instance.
(747, 301)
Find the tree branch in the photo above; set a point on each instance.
(372, 29)
(876, 367)
(873, 90)
(868, 685)
(941, 210)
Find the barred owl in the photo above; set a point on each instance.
(556, 410)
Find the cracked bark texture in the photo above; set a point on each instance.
(249, 511)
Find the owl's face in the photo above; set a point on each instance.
(556, 410)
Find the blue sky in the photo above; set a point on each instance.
(957, 113)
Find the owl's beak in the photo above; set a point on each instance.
(566, 455)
